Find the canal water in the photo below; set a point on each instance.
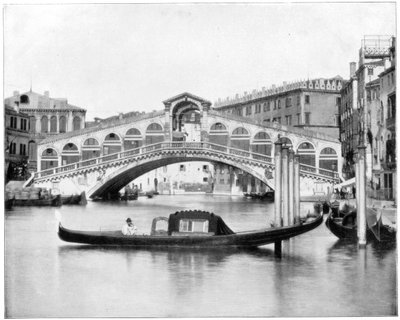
(317, 274)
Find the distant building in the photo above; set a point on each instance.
(47, 116)
(16, 141)
(309, 104)
(178, 178)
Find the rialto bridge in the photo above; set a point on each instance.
(104, 158)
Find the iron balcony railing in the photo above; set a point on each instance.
(164, 146)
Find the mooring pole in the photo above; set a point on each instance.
(278, 182)
(296, 164)
(291, 187)
(285, 185)
(361, 193)
(357, 174)
(278, 248)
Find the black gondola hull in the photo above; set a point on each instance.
(243, 239)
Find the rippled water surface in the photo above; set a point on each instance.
(317, 275)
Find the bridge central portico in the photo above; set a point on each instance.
(104, 158)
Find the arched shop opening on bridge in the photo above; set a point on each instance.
(328, 159)
(70, 154)
(262, 144)
(219, 134)
(306, 152)
(240, 139)
(90, 149)
(49, 159)
(112, 144)
(133, 139)
(154, 133)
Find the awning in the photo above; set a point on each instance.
(346, 183)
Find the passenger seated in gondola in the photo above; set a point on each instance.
(129, 228)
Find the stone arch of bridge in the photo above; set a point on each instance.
(116, 180)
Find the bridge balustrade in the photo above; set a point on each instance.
(87, 163)
(179, 145)
(328, 173)
(308, 168)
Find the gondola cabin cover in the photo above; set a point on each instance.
(197, 222)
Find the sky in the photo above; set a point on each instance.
(111, 58)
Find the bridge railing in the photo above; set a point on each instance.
(174, 145)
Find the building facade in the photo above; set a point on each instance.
(384, 141)
(367, 114)
(310, 104)
(47, 116)
(16, 141)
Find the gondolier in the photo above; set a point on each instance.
(129, 228)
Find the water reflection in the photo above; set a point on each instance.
(45, 276)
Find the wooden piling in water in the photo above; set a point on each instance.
(291, 187)
(361, 193)
(285, 185)
(296, 196)
(278, 181)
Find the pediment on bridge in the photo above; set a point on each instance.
(186, 97)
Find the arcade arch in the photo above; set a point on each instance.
(49, 159)
(70, 154)
(112, 144)
(90, 149)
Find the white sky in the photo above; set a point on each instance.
(119, 58)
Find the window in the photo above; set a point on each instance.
(258, 108)
(307, 99)
(275, 105)
(288, 120)
(205, 179)
(205, 167)
(279, 104)
(338, 101)
(22, 149)
(265, 106)
(193, 225)
(13, 122)
(370, 71)
(13, 148)
(182, 167)
(298, 118)
(288, 102)
(307, 117)
(23, 124)
(298, 100)
(248, 110)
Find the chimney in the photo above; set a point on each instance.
(16, 93)
(353, 67)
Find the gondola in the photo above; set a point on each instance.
(54, 201)
(191, 229)
(345, 227)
